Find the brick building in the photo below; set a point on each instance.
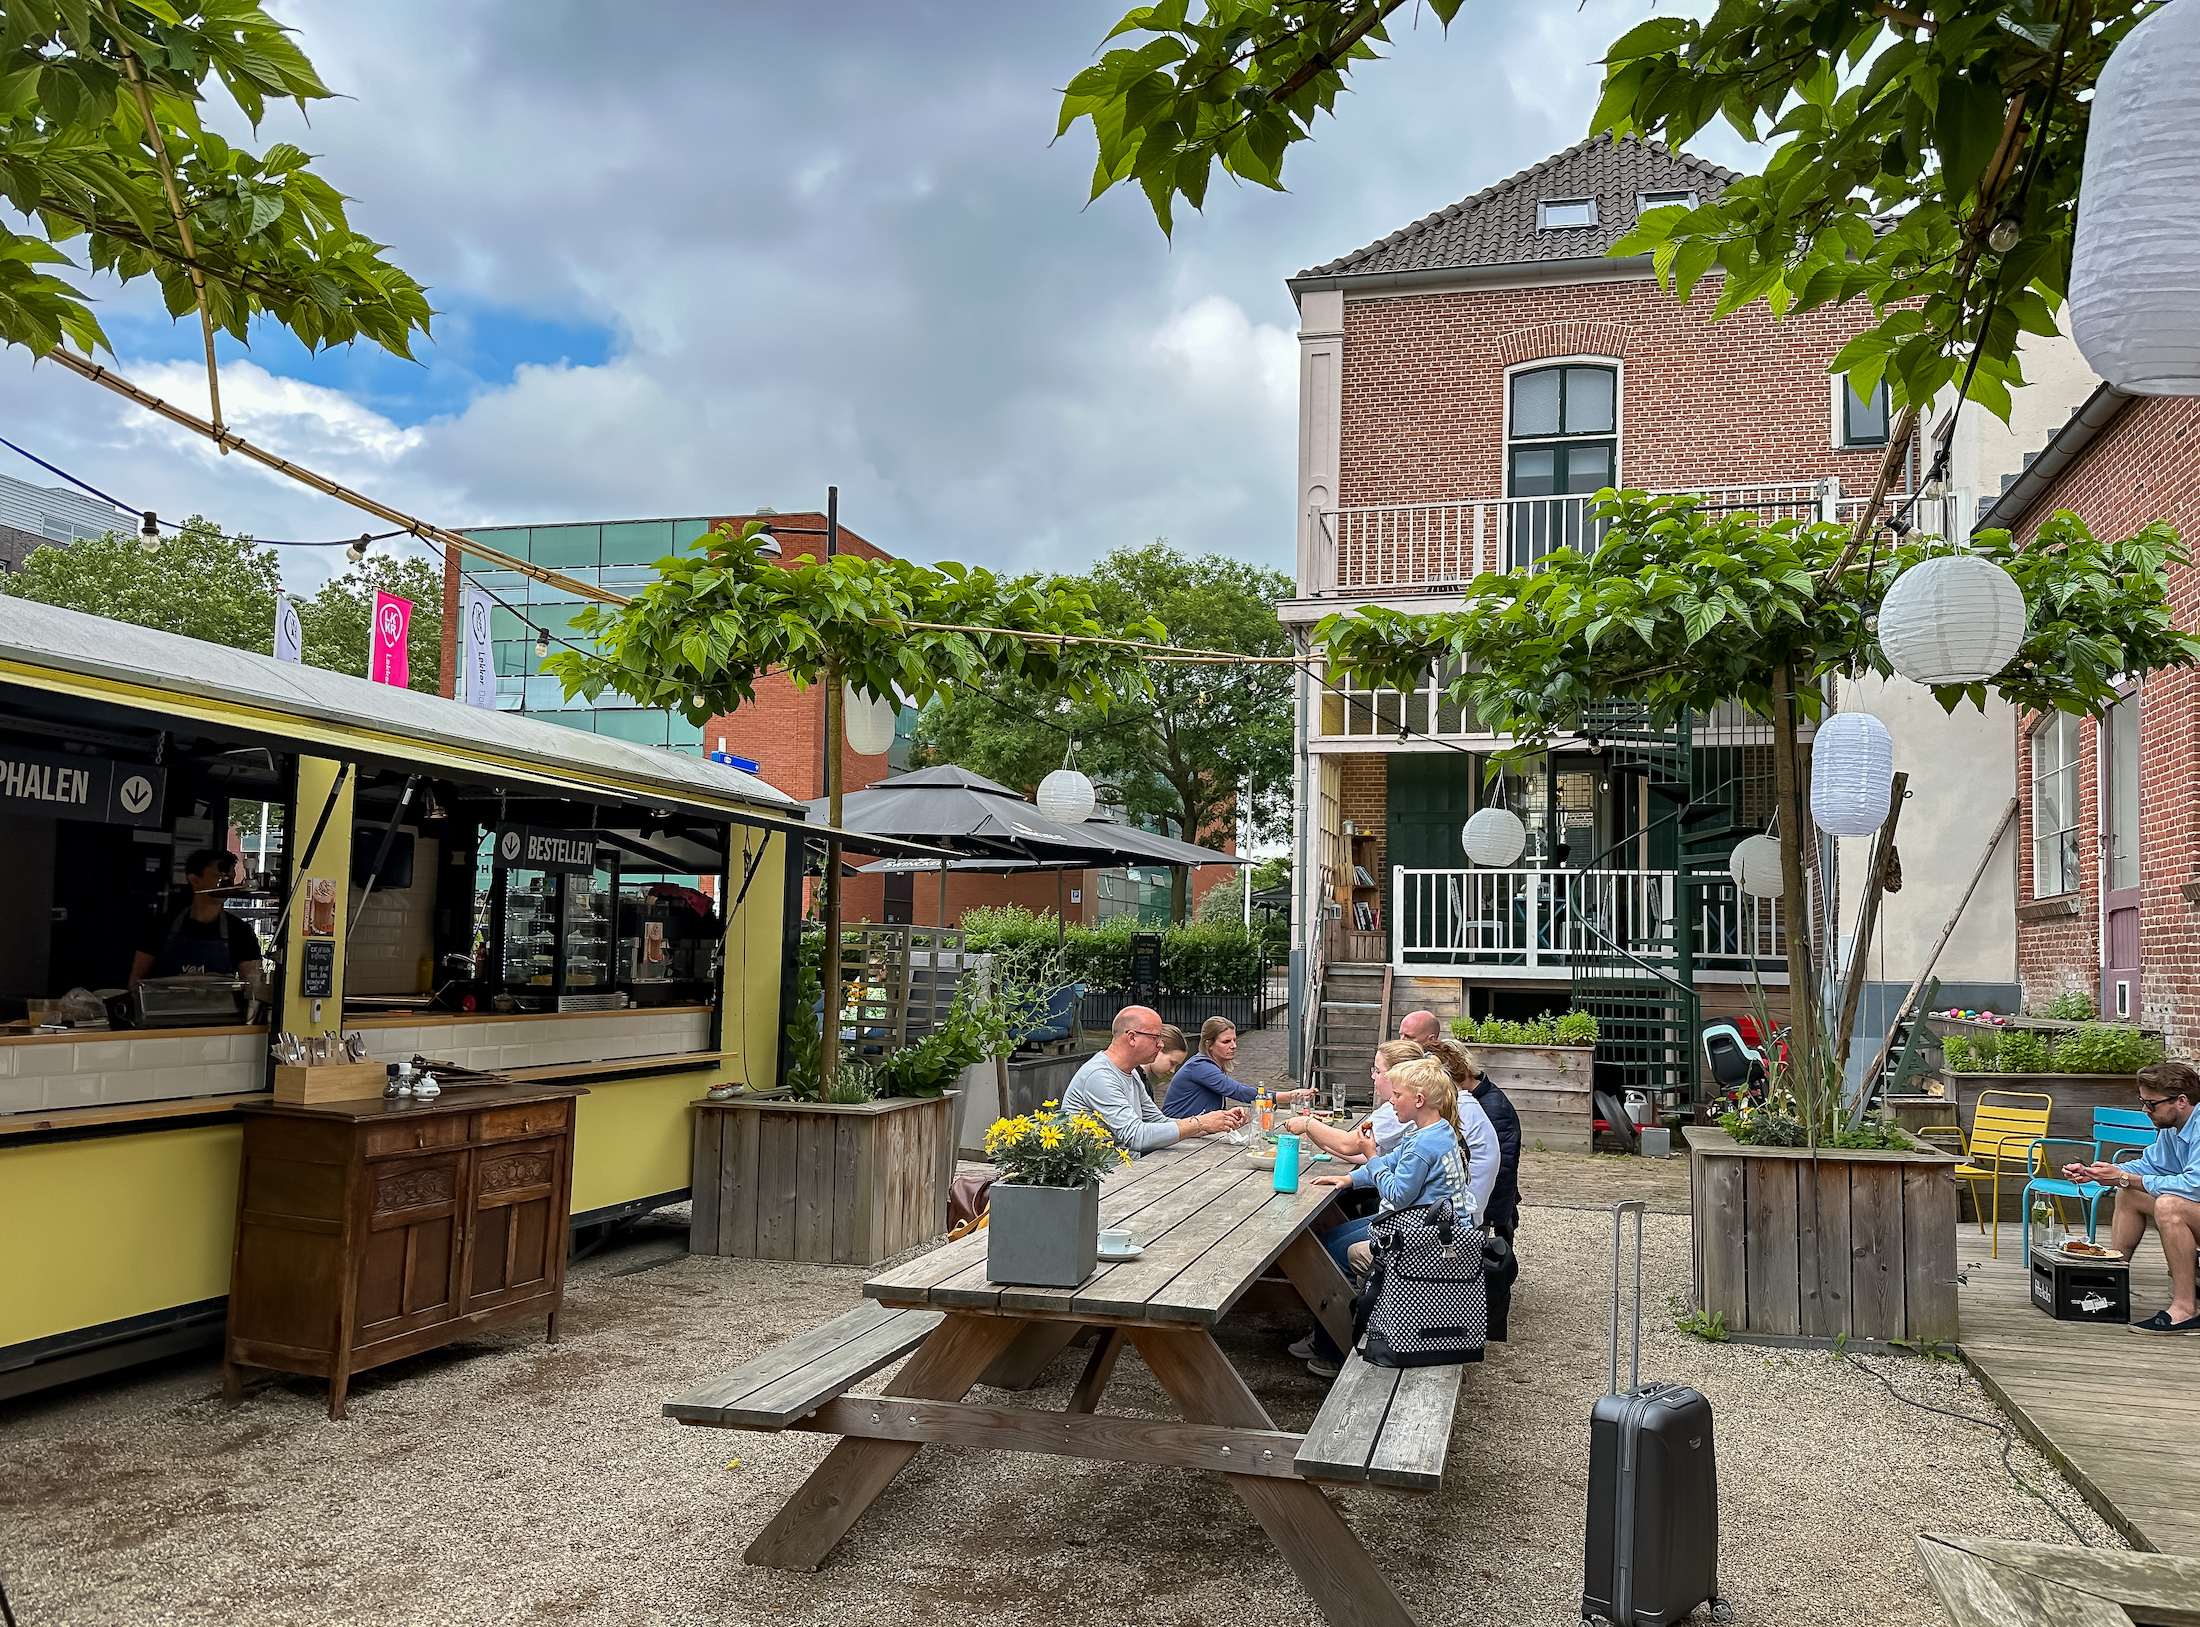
(2109, 863)
(1465, 384)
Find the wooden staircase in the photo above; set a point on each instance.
(1361, 1006)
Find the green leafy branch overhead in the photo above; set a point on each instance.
(1899, 136)
(1685, 611)
(716, 620)
(81, 175)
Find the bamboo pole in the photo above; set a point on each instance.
(1793, 906)
(1867, 921)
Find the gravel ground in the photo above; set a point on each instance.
(509, 1481)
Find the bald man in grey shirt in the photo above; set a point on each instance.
(1107, 1088)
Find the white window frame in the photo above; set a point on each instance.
(1544, 207)
(2057, 852)
(1837, 432)
(1666, 198)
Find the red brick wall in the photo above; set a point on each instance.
(1725, 403)
(2141, 469)
(1364, 798)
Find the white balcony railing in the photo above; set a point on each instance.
(1458, 922)
(1434, 547)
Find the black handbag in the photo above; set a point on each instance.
(1425, 1302)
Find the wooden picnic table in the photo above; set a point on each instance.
(1212, 1228)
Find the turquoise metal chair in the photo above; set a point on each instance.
(2123, 1129)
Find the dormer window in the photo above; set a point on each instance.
(1647, 201)
(1556, 214)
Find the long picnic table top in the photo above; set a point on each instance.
(1210, 1221)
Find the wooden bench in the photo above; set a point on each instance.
(791, 1380)
(1389, 1426)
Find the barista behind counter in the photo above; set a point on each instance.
(204, 940)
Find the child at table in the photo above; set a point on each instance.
(1383, 1129)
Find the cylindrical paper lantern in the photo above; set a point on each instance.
(1851, 774)
(1756, 866)
(2135, 268)
(870, 723)
(1952, 619)
(1495, 837)
(1065, 796)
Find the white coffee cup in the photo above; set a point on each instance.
(1115, 1242)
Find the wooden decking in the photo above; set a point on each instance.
(2118, 1412)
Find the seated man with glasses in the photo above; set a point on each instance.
(1107, 1087)
(2161, 1184)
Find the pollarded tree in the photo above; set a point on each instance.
(1683, 610)
(719, 617)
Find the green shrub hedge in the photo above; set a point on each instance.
(2088, 1048)
(1206, 957)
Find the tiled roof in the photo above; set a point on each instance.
(1497, 226)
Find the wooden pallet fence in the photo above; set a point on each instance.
(822, 1182)
(1858, 1244)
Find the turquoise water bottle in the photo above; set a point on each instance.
(1287, 1163)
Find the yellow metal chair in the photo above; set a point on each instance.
(2004, 1125)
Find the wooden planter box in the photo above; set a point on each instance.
(1862, 1245)
(822, 1182)
(1549, 1087)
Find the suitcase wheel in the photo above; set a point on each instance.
(1721, 1610)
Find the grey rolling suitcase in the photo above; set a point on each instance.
(1653, 1538)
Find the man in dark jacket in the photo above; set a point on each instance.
(1504, 1197)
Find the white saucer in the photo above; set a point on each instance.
(1131, 1253)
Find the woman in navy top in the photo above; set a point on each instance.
(1205, 1079)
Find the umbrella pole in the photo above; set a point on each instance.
(1058, 926)
(828, 1067)
(943, 892)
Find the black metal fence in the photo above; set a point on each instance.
(1249, 1009)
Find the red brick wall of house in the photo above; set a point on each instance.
(2140, 470)
(1725, 403)
(1363, 797)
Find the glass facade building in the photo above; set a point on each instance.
(619, 554)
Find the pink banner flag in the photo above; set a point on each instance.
(388, 643)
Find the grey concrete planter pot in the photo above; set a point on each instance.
(1042, 1236)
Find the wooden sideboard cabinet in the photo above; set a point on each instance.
(373, 1230)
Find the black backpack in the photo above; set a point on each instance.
(1425, 1302)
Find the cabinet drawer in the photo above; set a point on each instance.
(537, 1118)
(443, 1130)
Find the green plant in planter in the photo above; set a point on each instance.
(1874, 1136)
(2105, 1048)
(1051, 1148)
(1762, 1128)
(2023, 1050)
(1957, 1054)
(1576, 1028)
(2071, 1006)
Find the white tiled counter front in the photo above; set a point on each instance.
(531, 1042)
(51, 1073)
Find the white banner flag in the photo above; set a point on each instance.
(290, 638)
(477, 662)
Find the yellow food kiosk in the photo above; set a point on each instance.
(470, 888)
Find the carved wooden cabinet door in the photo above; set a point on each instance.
(409, 1270)
(518, 1226)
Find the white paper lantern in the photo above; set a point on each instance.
(1494, 837)
(1756, 865)
(1953, 619)
(2135, 268)
(1851, 774)
(1065, 796)
(870, 723)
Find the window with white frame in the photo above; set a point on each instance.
(1559, 214)
(1864, 419)
(2055, 745)
(1647, 201)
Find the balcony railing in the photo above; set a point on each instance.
(1459, 922)
(1435, 547)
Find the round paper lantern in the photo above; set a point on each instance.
(2135, 268)
(1065, 796)
(1953, 619)
(1494, 837)
(869, 722)
(1756, 865)
(1851, 774)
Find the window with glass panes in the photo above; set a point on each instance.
(2055, 748)
(1562, 446)
(1864, 418)
(1348, 708)
(621, 555)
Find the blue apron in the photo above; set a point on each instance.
(183, 956)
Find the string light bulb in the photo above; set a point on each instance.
(149, 532)
(2005, 236)
(357, 552)
(542, 642)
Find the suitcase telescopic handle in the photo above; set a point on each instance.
(1634, 1374)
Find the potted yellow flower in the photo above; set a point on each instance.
(1044, 1229)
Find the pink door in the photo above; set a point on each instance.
(2120, 861)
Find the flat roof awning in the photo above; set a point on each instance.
(174, 679)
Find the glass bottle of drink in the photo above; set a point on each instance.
(1266, 1108)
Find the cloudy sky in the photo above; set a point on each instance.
(696, 257)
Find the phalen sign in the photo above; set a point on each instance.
(524, 847)
(62, 785)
